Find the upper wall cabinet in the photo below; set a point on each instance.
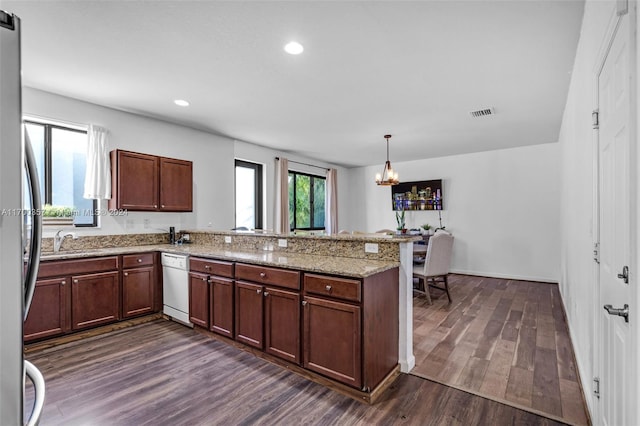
(142, 182)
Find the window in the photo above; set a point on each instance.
(248, 195)
(61, 161)
(306, 201)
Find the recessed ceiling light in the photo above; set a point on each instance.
(294, 48)
(181, 102)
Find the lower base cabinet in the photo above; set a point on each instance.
(199, 299)
(78, 294)
(282, 324)
(221, 306)
(332, 333)
(49, 314)
(95, 300)
(139, 284)
(249, 314)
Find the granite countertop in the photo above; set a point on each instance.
(345, 266)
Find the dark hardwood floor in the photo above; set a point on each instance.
(161, 373)
(503, 339)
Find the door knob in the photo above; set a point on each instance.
(621, 312)
(624, 276)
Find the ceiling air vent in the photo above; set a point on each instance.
(482, 112)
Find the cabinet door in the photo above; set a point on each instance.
(94, 299)
(332, 333)
(176, 185)
(249, 314)
(48, 315)
(134, 180)
(282, 324)
(199, 299)
(221, 306)
(137, 291)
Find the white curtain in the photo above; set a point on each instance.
(282, 196)
(97, 181)
(331, 202)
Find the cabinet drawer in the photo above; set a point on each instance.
(135, 260)
(266, 275)
(340, 288)
(57, 268)
(211, 267)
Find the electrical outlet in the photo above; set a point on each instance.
(129, 224)
(371, 248)
(186, 237)
(145, 223)
(282, 242)
(227, 239)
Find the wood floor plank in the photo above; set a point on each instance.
(520, 386)
(546, 385)
(526, 348)
(497, 375)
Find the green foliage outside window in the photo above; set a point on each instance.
(57, 211)
(306, 201)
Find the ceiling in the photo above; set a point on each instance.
(411, 69)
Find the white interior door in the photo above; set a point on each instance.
(615, 345)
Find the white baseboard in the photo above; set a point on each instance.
(505, 276)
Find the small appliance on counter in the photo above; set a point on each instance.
(172, 235)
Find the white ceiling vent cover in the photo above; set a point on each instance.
(483, 112)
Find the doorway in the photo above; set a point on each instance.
(616, 351)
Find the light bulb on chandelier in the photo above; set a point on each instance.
(388, 176)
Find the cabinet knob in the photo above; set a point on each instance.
(155, 206)
(327, 287)
(258, 291)
(304, 303)
(126, 274)
(75, 281)
(139, 260)
(262, 274)
(266, 293)
(207, 267)
(162, 206)
(204, 279)
(63, 282)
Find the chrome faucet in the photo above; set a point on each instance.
(59, 238)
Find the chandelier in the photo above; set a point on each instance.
(388, 176)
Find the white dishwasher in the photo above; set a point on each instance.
(175, 287)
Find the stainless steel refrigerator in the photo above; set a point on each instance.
(20, 235)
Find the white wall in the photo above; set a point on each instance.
(502, 207)
(212, 156)
(266, 157)
(577, 280)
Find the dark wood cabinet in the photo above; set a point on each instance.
(49, 314)
(199, 299)
(282, 324)
(94, 299)
(143, 182)
(268, 317)
(138, 284)
(332, 333)
(221, 306)
(217, 305)
(73, 295)
(350, 327)
(249, 318)
(176, 182)
(135, 181)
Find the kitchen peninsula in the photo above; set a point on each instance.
(286, 298)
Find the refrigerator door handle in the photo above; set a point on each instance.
(36, 377)
(35, 245)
